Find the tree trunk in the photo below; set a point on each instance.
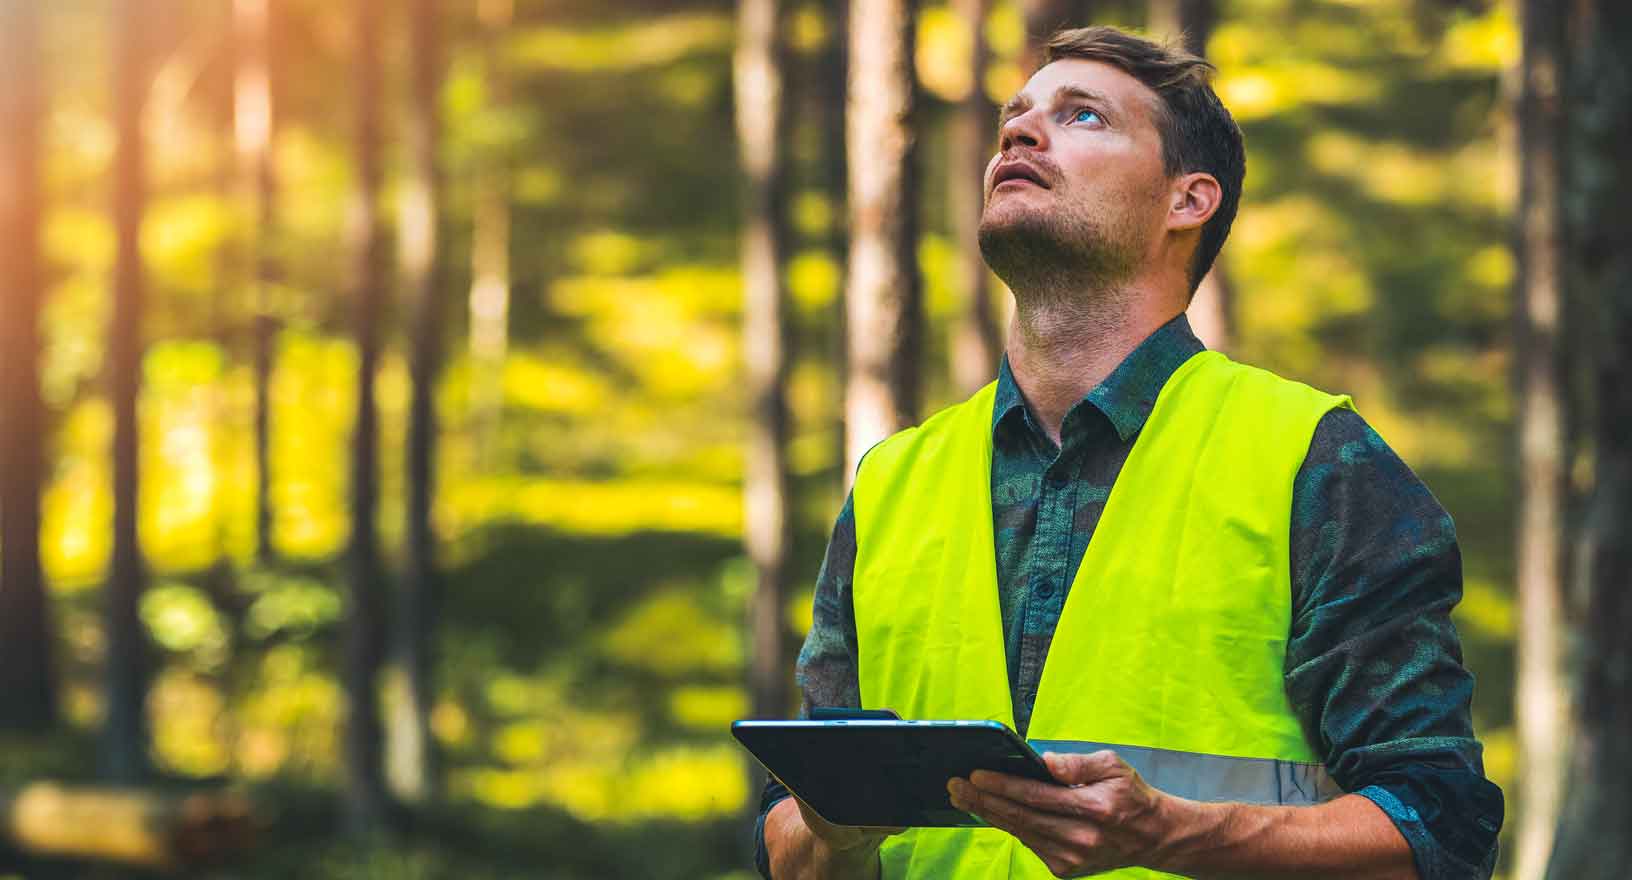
(976, 344)
(833, 75)
(412, 759)
(1043, 18)
(125, 734)
(884, 290)
(1593, 841)
(365, 779)
(28, 699)
(761, 116)
(1540, 698)
(254, 127)
(490, 250)
(1192, 22)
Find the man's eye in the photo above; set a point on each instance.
(1085, 114)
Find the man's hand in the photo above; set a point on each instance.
(844, 838)
(802, 844)
(1104, 816)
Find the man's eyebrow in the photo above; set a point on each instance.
(1085, 94)
(1020, 103)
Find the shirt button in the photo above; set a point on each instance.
(1044, 591)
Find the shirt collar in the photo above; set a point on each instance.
(1128, 394)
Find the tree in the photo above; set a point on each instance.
(124, 747)
(490, 245)
(761, 98)
(884, 289)
(1593, 843)
(28, 699)
(254, 127)
(1043, 18)
(412, 759)
(1192, 21)
(1540, 700)
(976, 342)
(365, 777)
(832, 76)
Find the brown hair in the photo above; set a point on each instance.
(1198, 134)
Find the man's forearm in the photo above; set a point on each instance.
(1349, 838)
(798, 854)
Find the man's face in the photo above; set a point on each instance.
(1077, 185)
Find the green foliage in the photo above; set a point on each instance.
(590, 646)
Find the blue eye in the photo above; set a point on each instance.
(1085, 114)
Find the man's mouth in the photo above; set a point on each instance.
(1018, 173)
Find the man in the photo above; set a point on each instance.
(1216, 596)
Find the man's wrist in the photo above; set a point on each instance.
(1187, 828)
(803, 853)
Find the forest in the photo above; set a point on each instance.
(421, 421)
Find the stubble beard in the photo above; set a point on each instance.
(1054, 259)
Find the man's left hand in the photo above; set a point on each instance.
(1103, 815)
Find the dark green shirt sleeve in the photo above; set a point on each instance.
(1373, 664)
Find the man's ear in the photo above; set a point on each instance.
(1193, 198)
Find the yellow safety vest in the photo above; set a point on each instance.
(1171, 644)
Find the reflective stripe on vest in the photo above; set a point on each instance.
(1172, 639)
(1216, 777)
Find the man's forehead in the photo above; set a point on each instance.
(1096, 78)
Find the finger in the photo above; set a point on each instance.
(1078, 769)
(1041, 795)
(1019, 819)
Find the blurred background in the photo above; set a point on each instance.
(429, 414)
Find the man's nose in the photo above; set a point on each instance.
(1023, 129)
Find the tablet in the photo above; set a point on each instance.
(886, 772)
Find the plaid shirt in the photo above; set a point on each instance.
(1373, 665)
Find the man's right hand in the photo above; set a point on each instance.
(804, 845)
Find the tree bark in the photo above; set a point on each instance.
(412, 759)
(254, 128)
(832, 77)
(125, 735)
(884, 290)
(1043, 18)
(976, 344)
(1191, 23)
(1541, 694)
(761, 117)
(28, 697)
(365, 777)
(490, 249)
(1593, 842)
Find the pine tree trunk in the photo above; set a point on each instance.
(125, 734)
(1210, 310)
(884, 290)
(1540, 698)
(976, 344)
(833, 77)
(1593, 842)
(490, 250)
(28, 699)
(254, 127)
(365, 611)
(412, 759)
(761, 114)
(1043, 18)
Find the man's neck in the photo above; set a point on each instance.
(1061, 350)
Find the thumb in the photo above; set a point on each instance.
(1079, 769)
